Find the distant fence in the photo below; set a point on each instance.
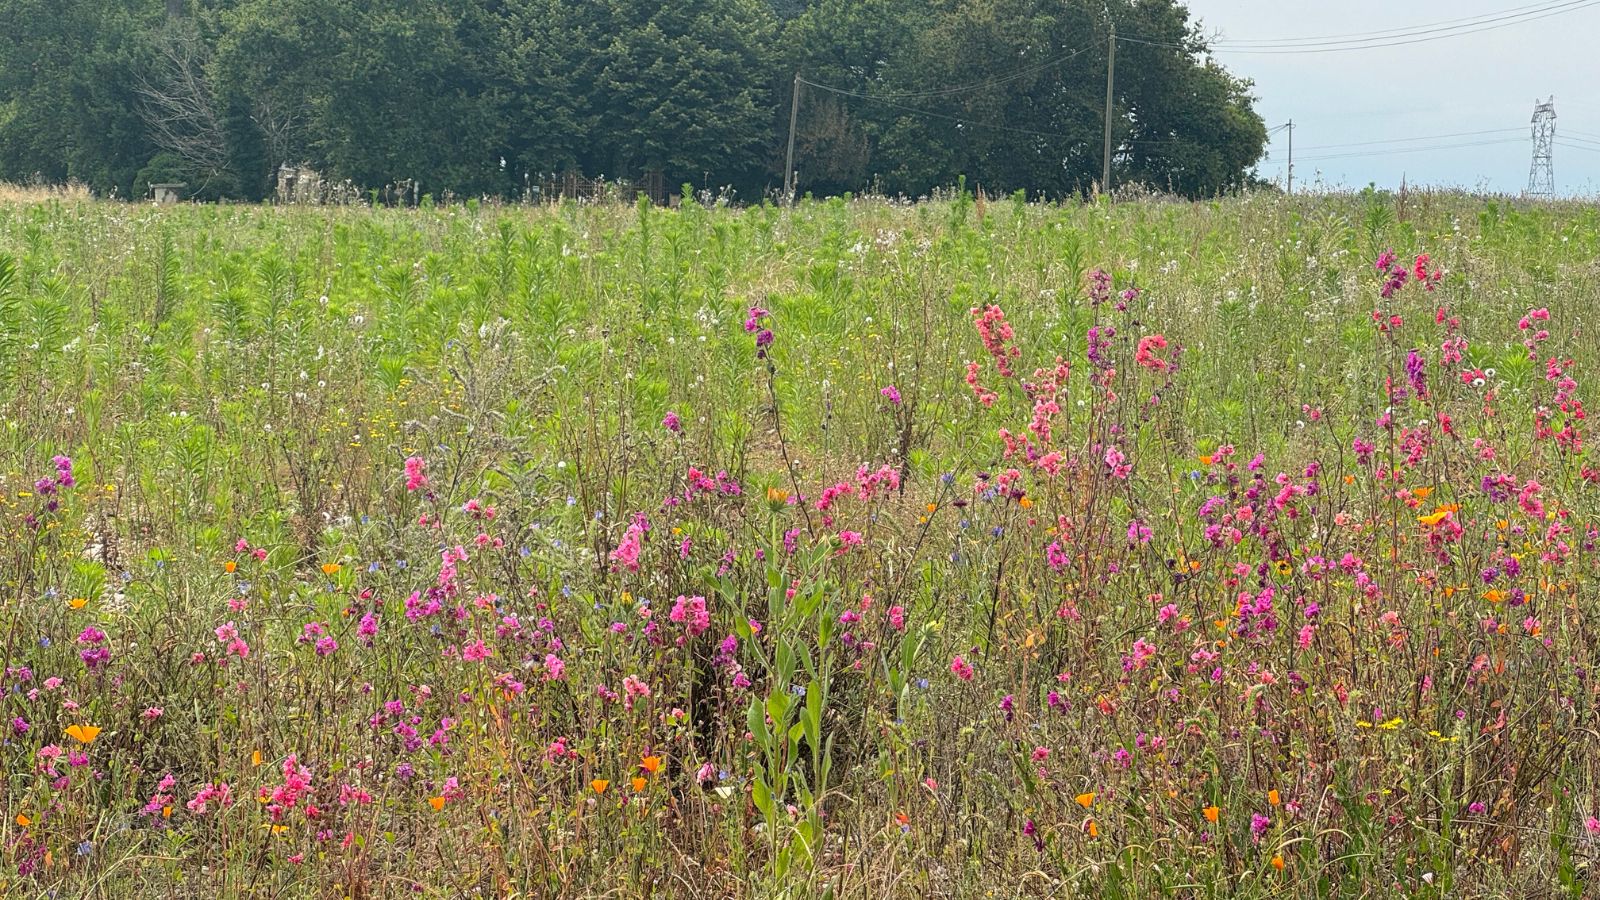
(304, 185)
(573, 186)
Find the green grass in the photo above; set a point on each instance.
(227, 373)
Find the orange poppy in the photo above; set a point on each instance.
(599, 785)
(78, 602)
(83, 734)
(1211, 813)
(1277, 862)
(1205, 459)
(639, 783)
(651, 764)
(1085, 800)
(1272, 797)
(1094, 830)
(23, 820)
(331, 568)
(436, 802)
(230, 567)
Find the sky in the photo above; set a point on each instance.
(1479, 82)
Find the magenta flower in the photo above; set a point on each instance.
(961, 668)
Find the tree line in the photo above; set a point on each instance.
(482, 96)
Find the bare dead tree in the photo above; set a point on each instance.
(280, 126)
(178, 106)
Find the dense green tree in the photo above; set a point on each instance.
(482, 96)
(68, 103)
(1011, 94)
(682, 87)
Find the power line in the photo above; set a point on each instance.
(1429, 149)
(1402, 31)
(960, 120)
(1430, 137)
(1416, 37)
(947, 91)
(1563, 142)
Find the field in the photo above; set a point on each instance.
(959, 549)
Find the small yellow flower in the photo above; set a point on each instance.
(331, 568)
(78, 602)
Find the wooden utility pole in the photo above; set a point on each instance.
(788, 165)
(1111, 74)
(1291, 156)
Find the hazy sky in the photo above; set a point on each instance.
(1468, 83)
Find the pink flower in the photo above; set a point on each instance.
(416, 473)
(477, 651)
(627, 553)
(692, 613)
(554, 668)
(1145, 353)
(219, 793)
(961, 668)
(848, 539)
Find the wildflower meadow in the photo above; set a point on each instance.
(965, 548)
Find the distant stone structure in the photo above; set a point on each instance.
(167, 194)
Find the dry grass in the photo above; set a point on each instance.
(39, 193)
